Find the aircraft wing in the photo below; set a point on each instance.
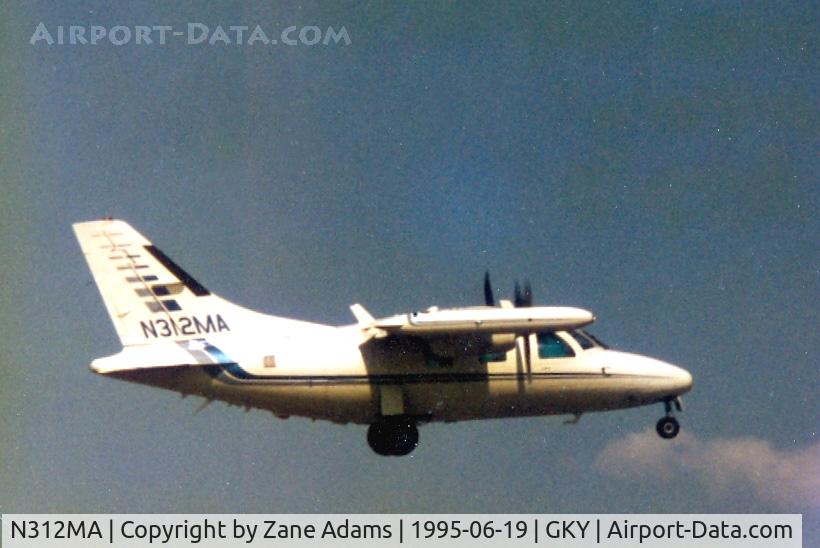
(478, 320)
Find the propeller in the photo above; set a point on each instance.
(522, 295)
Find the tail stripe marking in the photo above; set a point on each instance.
(137, 279)
(196, 288)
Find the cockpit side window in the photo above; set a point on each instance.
(593, 338)
(550, 346)
(583, 341)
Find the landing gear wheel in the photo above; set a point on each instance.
(377, 438)
(393, 437)
(668, 427)
(405, 438)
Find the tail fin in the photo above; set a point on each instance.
(151, 299)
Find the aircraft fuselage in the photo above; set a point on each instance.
(330, 377)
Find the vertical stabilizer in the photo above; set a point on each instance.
(152, 299)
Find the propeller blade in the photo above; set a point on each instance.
(523, 296)
(489, 298)
(527, 293)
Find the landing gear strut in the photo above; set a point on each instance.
(668, 427)
(393, 437)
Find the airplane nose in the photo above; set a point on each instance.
(669, 380)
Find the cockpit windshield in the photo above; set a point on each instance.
(586, 340)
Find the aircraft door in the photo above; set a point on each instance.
(549, 351)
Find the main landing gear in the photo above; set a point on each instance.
(668, 427)
(393, 437)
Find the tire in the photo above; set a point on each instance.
(668, 428)
(393, 437)
(377, 438)
(405, 438)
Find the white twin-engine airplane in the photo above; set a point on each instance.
(506, 360)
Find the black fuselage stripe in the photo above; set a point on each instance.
(214, 370)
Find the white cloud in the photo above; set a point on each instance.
(789, 479)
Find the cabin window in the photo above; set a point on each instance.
(550, 346)
(493, 357)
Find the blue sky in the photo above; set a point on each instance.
(653, 162)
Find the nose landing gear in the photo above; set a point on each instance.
(668, 427)
(393, 437)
